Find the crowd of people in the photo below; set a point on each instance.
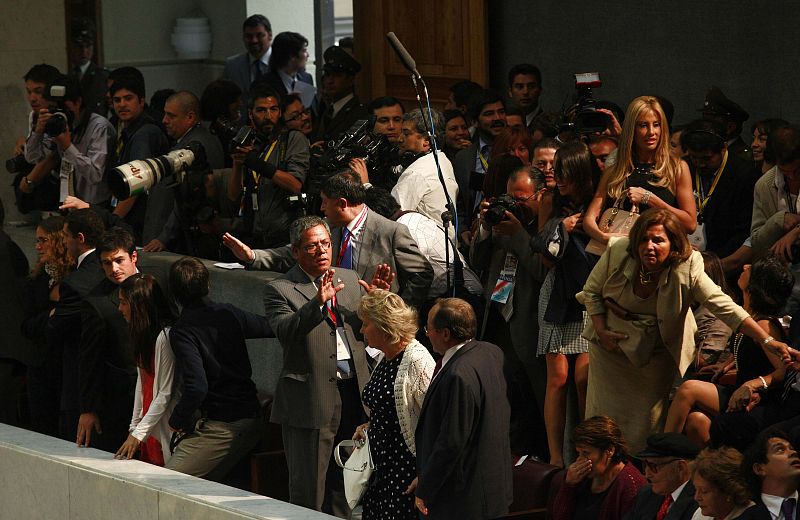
(441, 292)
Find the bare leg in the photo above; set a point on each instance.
(581, 380)
(555, 406)
(691, 395)
(698, 426)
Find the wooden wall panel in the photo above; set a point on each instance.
(447, 38)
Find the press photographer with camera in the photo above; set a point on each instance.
(79, 137)
(269, 166)
(514, 274)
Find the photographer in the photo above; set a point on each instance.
(514, 274)
(78, 136)
(267, 170)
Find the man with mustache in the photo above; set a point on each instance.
(488, 110)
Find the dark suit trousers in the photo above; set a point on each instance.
(315, 480)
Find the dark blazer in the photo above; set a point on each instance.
(93, 89)
(463, 437)
(760, 512)
(237, 69)
(729, 211)
(13, 273)
(385, 241)
(351, 112)
(306, 395)
(463, 166)
(648, 503)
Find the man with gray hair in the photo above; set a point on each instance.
(419, 188)
(311, 309)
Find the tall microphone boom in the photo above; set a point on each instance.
(402, 53)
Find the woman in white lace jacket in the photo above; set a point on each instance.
(394, 396)
(144, 306)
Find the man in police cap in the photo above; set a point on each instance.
(92, 78)
(718, 108)
(670, 493)
(340, 107)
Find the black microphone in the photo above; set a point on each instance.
(402, 53)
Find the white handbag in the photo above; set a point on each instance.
(357, 469)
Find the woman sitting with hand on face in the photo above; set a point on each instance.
(394, 395)
(601, 484)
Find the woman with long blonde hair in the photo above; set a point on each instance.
(644, 174)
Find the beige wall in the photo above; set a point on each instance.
(31, 32)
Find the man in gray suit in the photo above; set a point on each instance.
(318, 396)
(514, 277)
(243, 69)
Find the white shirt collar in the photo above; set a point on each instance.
(83, 256)
(355, 225)
(678, 491)
(264, 58)
(337, 105)
(451, 352)
(287, 80)
(529, 117)
(774, 503)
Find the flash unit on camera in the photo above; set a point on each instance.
(58, 91)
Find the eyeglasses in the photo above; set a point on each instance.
(656, 466)
(303, 113)
(312, 248)
(42, 240)
(523, 200)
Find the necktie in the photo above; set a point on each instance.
(662, 511)
(291, 89)
(258, 69)
(334, 320)
(787, 508)
(346, 252)
(437, 367)
(789, 380)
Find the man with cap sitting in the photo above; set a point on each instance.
(771, 467)
(670, 493)
(340, 107)
(718, 108)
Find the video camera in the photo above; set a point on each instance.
(583, 117)
(136, 177)
(358, 141)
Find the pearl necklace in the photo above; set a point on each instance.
(736, 343)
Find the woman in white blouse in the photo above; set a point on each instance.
(147, 312)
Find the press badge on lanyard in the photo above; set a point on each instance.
(505, 281)
(342, 352)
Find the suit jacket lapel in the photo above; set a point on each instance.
(443, 372)
(367, 246)
(302, 284)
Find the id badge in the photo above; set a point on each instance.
(505, 281)
(698, 238)
(342, 352)
(254, 199)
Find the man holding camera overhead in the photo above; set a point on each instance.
(79, 137)
(269, 167)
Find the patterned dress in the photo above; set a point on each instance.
(395, 466)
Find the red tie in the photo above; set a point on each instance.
(437, 367)
(662, 511)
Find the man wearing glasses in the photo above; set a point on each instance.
(670, 493)
(311, 309)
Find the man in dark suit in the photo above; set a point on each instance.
(93, 79)
(488, 111)
(730, 116)
(83, 229)
(462, 434)
(318, 396)
(245, 68)
(340, 107)
(771, 467)
(287, 67)
(670, 493)
(106, 368)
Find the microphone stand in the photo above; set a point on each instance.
(449, 215)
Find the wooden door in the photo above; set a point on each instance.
(447, 38)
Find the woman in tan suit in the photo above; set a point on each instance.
(639, 298)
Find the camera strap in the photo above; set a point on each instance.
(702, 198)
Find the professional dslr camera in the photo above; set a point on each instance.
(238, 136)
(496, 212)
(582, 117)
(61, 118)
(18, 164)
